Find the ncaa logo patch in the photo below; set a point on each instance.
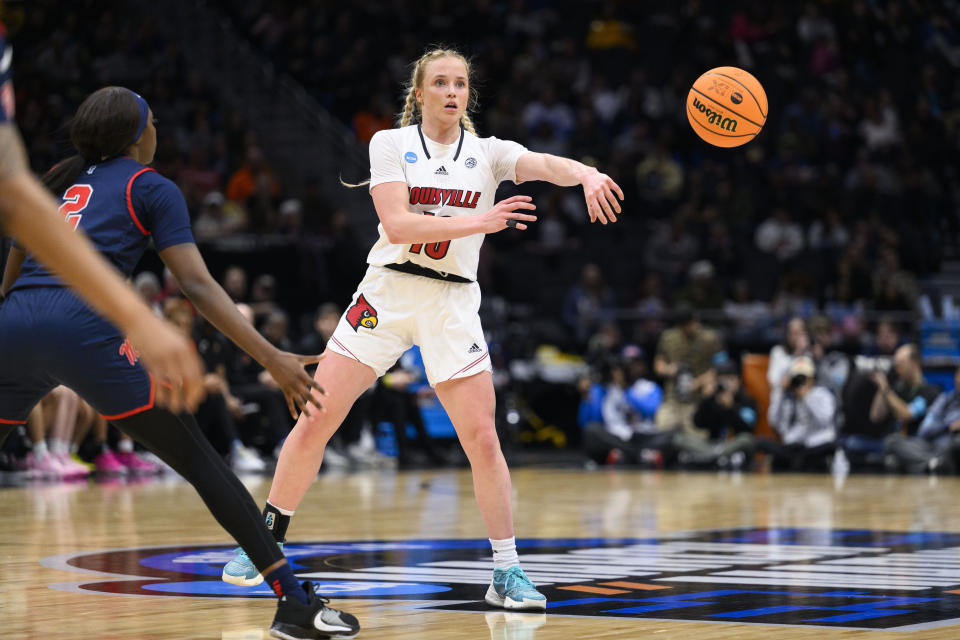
(856, 579)
(470, 163)
(410, 157)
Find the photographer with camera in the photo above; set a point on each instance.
(727, 416)
(901, 407)
(804, 415)
(684, 361)
(905, 402)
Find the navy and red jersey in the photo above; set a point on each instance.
(6, 78)
(120, 204)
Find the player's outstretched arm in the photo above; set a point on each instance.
(405, 227)
(599, 190)
(206, 294)
(29, 214)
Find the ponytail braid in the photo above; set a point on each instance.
(410, 108)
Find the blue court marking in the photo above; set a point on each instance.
(340, 589)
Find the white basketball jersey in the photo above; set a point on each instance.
(458, 179)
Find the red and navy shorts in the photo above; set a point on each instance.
(49, 337)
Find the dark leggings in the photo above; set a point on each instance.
(178, 441)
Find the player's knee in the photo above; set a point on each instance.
(313, 429)
(482, 443)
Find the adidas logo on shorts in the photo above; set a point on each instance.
(442, 171)
(474, 349)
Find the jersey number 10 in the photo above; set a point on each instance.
(75, 200)
(435, 250)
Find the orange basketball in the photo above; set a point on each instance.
(727, 107)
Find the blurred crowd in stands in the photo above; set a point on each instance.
(818, 236)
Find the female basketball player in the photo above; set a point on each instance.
(30, 215)
(51, 337)
(433, 182)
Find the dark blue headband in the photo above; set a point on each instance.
(144, 114)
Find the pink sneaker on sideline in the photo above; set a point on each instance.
(135, 463)
(45, 467)
(70, 468)
(108, 464)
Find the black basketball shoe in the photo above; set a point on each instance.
(295, 621)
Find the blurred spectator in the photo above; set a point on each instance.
(215, 413)
(148, 286)
(324, 324)
(685, 359)
(263, 295)
(702, 292)
(659, 176)
(235, 283)
(290, 222)
(587, 303)
(617, 414)
(254, 175)
(780, 236)
(254, 186)
(804, 416)
(833, 367)
(670, 251)
(218, 217)
(275, 328)
(795, 344)
(937, 443)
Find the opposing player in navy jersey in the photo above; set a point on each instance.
(50, 337)
(433, 182)
(28, 213)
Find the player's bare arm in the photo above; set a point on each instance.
(405, 227)
(599, 190)
(13, 159)
(206, 294)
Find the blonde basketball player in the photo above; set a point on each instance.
(433, 182)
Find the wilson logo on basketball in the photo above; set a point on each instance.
(362, 314)
(714, 117)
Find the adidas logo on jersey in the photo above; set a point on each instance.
(442, 171)
(474, 349)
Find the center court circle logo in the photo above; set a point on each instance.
(803, 577)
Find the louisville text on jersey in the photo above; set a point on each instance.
(444, 197)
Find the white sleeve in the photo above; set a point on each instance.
(385, 162)
(503, 155)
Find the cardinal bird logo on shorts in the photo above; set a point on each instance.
(362, 314)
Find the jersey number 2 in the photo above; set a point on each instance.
(435, 250)
(75, 200)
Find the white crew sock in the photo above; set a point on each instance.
(283, 512)
(125, 446)
(40, 450)
(505, 553)
(58, 447)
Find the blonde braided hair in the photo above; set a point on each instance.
(411, 107)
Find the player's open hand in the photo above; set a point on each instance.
(173, 361)
(298, 387)
(508, 213)
(601, 194)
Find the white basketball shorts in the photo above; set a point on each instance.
(392, 311)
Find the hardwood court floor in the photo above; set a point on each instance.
(41, 522)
